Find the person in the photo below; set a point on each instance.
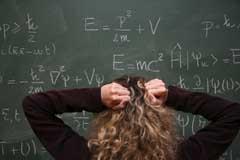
(143, 130)
(134, 121)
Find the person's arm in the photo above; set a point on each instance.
(59, 139)
(212, 140)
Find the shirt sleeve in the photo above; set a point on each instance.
(58, 138)
(212, 140)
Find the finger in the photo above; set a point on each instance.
(154, 101)
(119, 106)
(150, 96)
(148, 83)
(118, 91)
(156, 80)
(117, 87)
(122, 103)
(121, 92)
(154, 86)
(158, 91)
(154, 83)
(126, 99)
(118, 99)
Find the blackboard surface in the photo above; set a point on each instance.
(52, 44)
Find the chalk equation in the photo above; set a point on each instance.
(194, 123)
(14, 28)
(209, 84)
(57, 76)
(21, 148)
(189, 125)
(14, 50)
(31, 147)
(125, 25)
(227, 23)
(29, 29)
(10, 115)
(77, 120)
(121, 30)
(179, 58)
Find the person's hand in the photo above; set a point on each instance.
(157, 91)
(114, 95)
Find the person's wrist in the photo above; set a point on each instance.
(165, 96)
(102, 96)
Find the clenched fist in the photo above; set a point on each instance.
(157, 91)
(114, 95)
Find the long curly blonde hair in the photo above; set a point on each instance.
(140, 131)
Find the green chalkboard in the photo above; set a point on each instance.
(56, 44)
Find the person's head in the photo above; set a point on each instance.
(140, 131)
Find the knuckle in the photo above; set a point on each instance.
(113, 90)
(166, 90)
(112, 84)
(114, 98)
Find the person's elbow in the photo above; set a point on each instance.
(30, 103)
(236, 114)
(27, 104)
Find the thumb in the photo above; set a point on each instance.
(122, 104)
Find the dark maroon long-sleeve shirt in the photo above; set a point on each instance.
(65, 144)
